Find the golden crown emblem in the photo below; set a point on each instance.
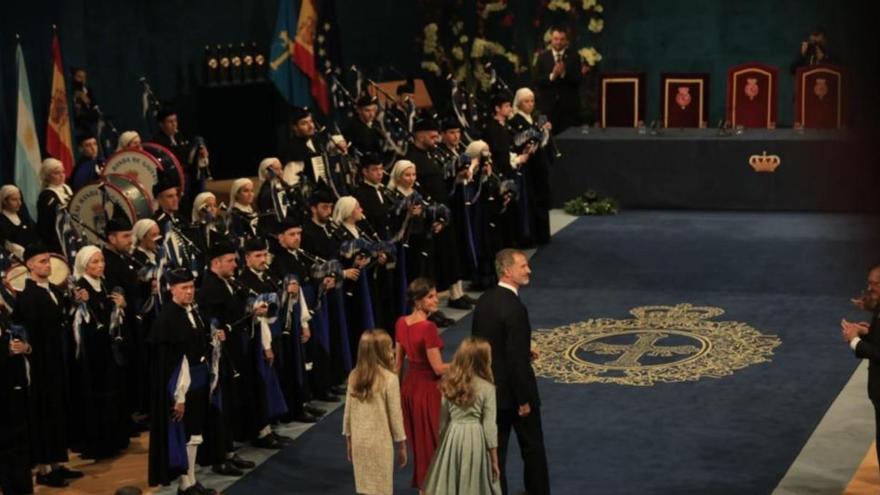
(765, 162)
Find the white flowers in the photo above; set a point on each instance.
(559, 5)
(430, 43)
(431, 67)
(596, 25)
(485, 48)
(590, 55)
(457, 53)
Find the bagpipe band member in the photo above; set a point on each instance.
(54, 196)
(485, 205)
(15, 464)
(359, 310)
(318, 238)
(100, 363)
(129, 140)
(304, 347)
(41, 309)
(180, 369)
(90, 163)
(167, 195)
(535, 200)
(270, 403)
(145, 306)
(17, 230)
(243, 218)
(276, 198)
(231, 415)
(207, 224)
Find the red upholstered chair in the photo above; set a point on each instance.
(751, 95)
(819, 92)
(685, 100)
(621, 99)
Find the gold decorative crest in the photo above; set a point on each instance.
(765, 162)
(662, 344)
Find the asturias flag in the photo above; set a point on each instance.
(288, 78)
(27, 146)
(59, 142)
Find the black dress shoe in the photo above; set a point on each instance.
(268, 442)
(226, 469)
(241, 463)
(460, 303)
(314, 410)
(53, 479)
(441, 320)
(67, 473)
(338, 389)
(327, 397)
(284, 439)
(304, 417)
(469, 299)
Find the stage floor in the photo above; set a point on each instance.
(782, 280)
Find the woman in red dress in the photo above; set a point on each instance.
(420, 345)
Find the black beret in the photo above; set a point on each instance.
(321, 195)
(220, 248)
(255, 244)
(164, 113)
(119, 223)
(298, 113)
(179, 276)
(164, 183)
(500, 98)
(366, 100)
(81, 138)
(449, 123)
(407, 87)
(426, 123)
(369, 159)
(35, 249)
(291, 221)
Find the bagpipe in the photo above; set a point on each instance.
(432, 212)
(368, 246)
(471, 114)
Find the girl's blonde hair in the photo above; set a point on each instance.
(374, 352)
(473, 358)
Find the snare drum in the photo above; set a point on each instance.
(95, 203)
(17, 274)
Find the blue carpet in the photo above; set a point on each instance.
(785, 274)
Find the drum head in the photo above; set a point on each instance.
(94, 204)
(170, 163)
(136, 165)
(17, 274)
(138, 197)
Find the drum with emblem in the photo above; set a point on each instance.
(137, 165)
(95, 203)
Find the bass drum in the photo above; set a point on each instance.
(170, 163)
(92, 205)
(139, 166)
(17, 273)
(140, 199)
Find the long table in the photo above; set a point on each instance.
(699, 169)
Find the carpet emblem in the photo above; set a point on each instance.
(662, 344)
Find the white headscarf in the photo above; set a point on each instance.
(522, 93)
(233, 191)
(264, 166)
(400, 166)
(125, 139)
(141, 228)
(6, 191)
(83, 256)
(343, 208)
(49, 165)
(199, 202)
(476, 148)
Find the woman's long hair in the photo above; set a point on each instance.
(473, 358)
(374, 352)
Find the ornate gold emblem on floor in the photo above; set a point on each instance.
(661, 344)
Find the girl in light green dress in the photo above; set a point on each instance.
(466, 461)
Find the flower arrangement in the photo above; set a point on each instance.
(590, 203)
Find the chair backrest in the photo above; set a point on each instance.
(621, 99)
(820, 97)
(684, 100)
(751, 95)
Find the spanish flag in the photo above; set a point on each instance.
(59, 142)
(304, 53)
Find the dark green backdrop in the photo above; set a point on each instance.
(121, 40)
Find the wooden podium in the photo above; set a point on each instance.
(820, 97)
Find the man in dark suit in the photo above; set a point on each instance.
(503, 320)
(557, 75)
(864, 339)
